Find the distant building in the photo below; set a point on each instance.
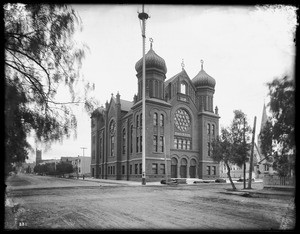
(71, 160)
(264, 166)
(49, 161)
(84, 165)
(27, 167)
(80, 163)
(38, 154)
(41, 161)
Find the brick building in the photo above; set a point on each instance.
(180, 125)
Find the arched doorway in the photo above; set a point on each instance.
(183, 168)
(174, 163)
(193, 168)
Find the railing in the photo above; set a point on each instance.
(277, 180)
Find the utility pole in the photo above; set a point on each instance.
(143, 17)
(245, 158)
(83, 148)
(251, 156)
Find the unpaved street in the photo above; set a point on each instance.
(47, 202)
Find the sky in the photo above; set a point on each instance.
(243, 48)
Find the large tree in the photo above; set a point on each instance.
(241, 134)
(233, 144)
(278, 135)
(41, 59)
(222, 151)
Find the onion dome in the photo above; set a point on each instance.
(203, 79)
(152, 60)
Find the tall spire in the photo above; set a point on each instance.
(264, 118)
(201, 64)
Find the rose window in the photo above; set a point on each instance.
(182, 120)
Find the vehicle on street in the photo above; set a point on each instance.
(220, 180)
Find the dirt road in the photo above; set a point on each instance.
(72, 204)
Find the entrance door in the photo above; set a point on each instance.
(173, 168)
(193, 168)
(183, 169)
(193, 171)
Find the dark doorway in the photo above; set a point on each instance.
(193, 168)
(174, 168)
(183, 168)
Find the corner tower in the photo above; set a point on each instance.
(205, 89)
(156, 70)
(208, 123)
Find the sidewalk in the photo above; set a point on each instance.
(264, 193)
(119, 182)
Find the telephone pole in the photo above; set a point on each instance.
(251, 156)
(245, 157)
(83, 148)
(143, 17)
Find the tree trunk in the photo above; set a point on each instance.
(229, 176)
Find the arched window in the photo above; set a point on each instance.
(161, 143)
(208, 129)
(155, 147)
(141, 120)
(213, 129)
(112, 129)
(131, 138)
(161, 120)
(137, 121)
(155, 119)
(183, 88)
(124, 141)
(100, 147)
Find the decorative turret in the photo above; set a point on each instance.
(156, 70)
(203, 79)
(153, 61)
(205, 88)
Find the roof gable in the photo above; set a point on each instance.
(125, 105)
(183, 75)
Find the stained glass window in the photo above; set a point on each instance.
(182, 120)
